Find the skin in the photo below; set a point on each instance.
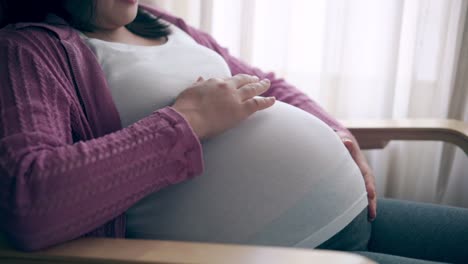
(111, 16)
(215, 105)
(369, 179)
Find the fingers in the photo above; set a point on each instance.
(252, 89)
(371, 195)
(247, 87)
(369, 179)
(235, 82)
(258, 103)
(200, 79)
(372, 207)
(240, 80)
(349, 145)
(360, 161)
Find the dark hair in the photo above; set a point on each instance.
(14, 11)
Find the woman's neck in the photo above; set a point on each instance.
(123, 35)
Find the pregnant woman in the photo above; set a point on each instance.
(120, 120)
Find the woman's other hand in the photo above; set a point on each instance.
(216, 105)
(366, 171)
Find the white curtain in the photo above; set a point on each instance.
(362, 59)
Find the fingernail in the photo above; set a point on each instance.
(265, 81)
(255, 77)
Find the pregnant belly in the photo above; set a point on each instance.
(282, 168)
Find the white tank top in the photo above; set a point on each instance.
(272, 159)
(145, 78)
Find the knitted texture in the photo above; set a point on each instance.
(67, 168)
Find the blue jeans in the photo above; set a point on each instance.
(403, 232)
(407, 232)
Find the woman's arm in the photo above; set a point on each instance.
(52, 189)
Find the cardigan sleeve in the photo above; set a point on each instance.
(53, 190)
(282, 90)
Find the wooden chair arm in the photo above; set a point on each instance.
(121, 251)
(375, 134)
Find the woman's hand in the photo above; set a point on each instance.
(216, 105)
(366, 171)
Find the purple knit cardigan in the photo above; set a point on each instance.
(67, 168)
